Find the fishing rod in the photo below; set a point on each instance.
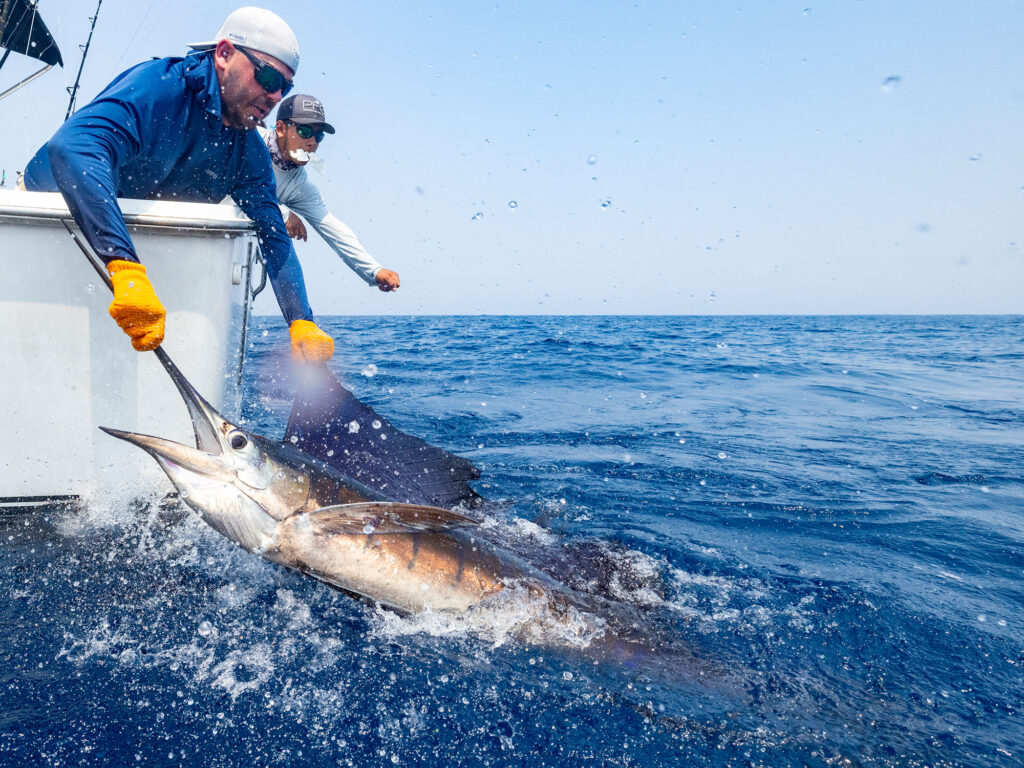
(73, 90)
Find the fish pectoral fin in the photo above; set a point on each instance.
(380, 517)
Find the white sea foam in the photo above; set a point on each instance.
(97, 641)
(244, 669)
(518, 529)
(112, 509)
(517, 613)
(716, 601)
(297, 611)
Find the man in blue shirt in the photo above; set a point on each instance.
(182, 129)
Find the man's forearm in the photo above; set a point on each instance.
(83, 174)
(345, 243)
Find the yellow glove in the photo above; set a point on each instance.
(309, 343)
(135, 306)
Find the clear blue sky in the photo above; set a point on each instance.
(618, 157)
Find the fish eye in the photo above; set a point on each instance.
(239, 441)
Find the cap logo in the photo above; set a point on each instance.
(313, 105)
(236, 37)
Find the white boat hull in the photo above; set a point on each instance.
(66, 366)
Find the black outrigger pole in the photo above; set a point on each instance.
(73, 90)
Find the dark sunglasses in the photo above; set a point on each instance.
(306, 132)
(269, 78)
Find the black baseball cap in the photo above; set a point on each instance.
(304, 110)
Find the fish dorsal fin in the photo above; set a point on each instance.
(329, 423)
(379, 517)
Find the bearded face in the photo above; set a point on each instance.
(244, 103)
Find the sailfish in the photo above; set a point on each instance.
(347, 499)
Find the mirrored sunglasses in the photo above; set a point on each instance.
(269, 78)
(307, 132)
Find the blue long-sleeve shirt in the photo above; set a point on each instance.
(157, 132)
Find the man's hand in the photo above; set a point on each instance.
(387, 280)
(296, 229)
(309, 343)
(135, 306)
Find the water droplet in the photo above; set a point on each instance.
(266, 333)
(513, 204)
(376, 424)
(330, 453)
(91, 287)
(477, 216)
(567, 675)
(891, 83)
(369, 370)
(713, 296)
(721, 455)
(806, 11)
(294, 439)
(606, 203)
(703, 482)
(591, 159)
(982, 617)
(682, 441)
(205, 629)
(974, 158)
(353, 427)
(368, 529)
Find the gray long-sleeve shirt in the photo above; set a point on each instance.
(296, 192)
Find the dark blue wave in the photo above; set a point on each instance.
(818, 520)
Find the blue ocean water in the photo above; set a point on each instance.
(821, 519)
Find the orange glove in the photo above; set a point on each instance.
(135, 306)
(309, 343)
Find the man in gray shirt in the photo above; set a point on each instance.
(301, 125)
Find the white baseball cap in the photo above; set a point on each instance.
(259, 30)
